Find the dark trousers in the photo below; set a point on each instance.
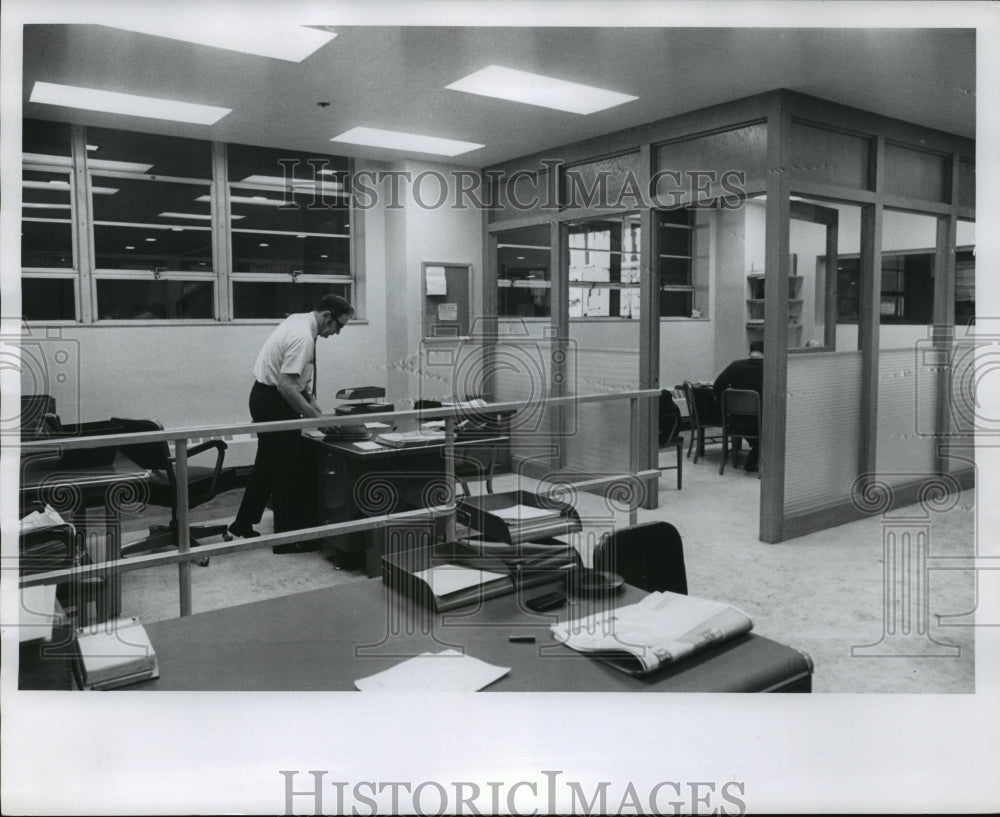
(282, 470)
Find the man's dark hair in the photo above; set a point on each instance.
(757, 346)
(335, 305)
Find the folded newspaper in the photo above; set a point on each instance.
(661, 629)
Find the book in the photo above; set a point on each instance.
(117, 654)
(658, 631)
(445, 671)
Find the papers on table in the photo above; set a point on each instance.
(448, 578)
(445, 671)
(368, 446)
(516, 513)
(36, 520)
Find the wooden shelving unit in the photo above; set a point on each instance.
(755, 304)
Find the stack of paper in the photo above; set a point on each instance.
(445, 671)
(117, 655)
(36, 520)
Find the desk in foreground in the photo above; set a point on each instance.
(326, 639)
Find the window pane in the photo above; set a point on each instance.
(301, 196)
(605, 253)
(278, 299)
(682, 256)
(154, 300)
(48, 299)
(46, 220)
(148, 153)
(965, 275)
(46, 141)
(140, 224)
(523, 273)
(907, 277)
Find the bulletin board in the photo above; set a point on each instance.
(447, 297)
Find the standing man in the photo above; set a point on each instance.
(283, 390)
(745, 374)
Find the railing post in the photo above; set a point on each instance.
(633, 457)
(451, 531)
(183, 533)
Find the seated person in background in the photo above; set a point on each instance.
(744, 374)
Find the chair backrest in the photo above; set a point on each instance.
(670, 417)
(702, 407)
(649, 556)
(744, 402)
(155, 456)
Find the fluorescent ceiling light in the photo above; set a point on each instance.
(92, 99)
(204, 216)
(92, 164)
(397, 140)
(57, 185)
(39, 206)
(283, 42)
(535, 89)
(264, 200)
(280, 181)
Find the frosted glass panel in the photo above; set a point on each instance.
(907, 415)
(822, 430)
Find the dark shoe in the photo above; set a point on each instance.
(296, 547)
(243, 533)
(751, 467)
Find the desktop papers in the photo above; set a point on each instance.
(661, 629)
(517, 513)
(448, 578)
(445, 671)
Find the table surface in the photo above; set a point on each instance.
(326, 639)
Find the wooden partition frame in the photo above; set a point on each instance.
(779, 108)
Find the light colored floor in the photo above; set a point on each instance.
(824, 593)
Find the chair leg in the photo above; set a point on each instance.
(691, 443)
(680, 462)
(699, 446)
(725, 451)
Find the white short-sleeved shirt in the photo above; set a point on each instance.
(289, 349)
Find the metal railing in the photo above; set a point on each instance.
(184, 555)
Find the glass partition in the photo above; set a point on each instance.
(603, 258)
(524, 279)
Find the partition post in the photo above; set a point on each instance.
(183, 534)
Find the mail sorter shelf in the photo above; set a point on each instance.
(518, 516)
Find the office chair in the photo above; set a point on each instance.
(649, 556)
(670, 433)
(740, 419)
(203, 485)
(468, 467)
(704, 414)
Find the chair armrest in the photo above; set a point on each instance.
(219, 445)
(220, 448)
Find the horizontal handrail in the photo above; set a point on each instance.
(105, 440)
(174, 556)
